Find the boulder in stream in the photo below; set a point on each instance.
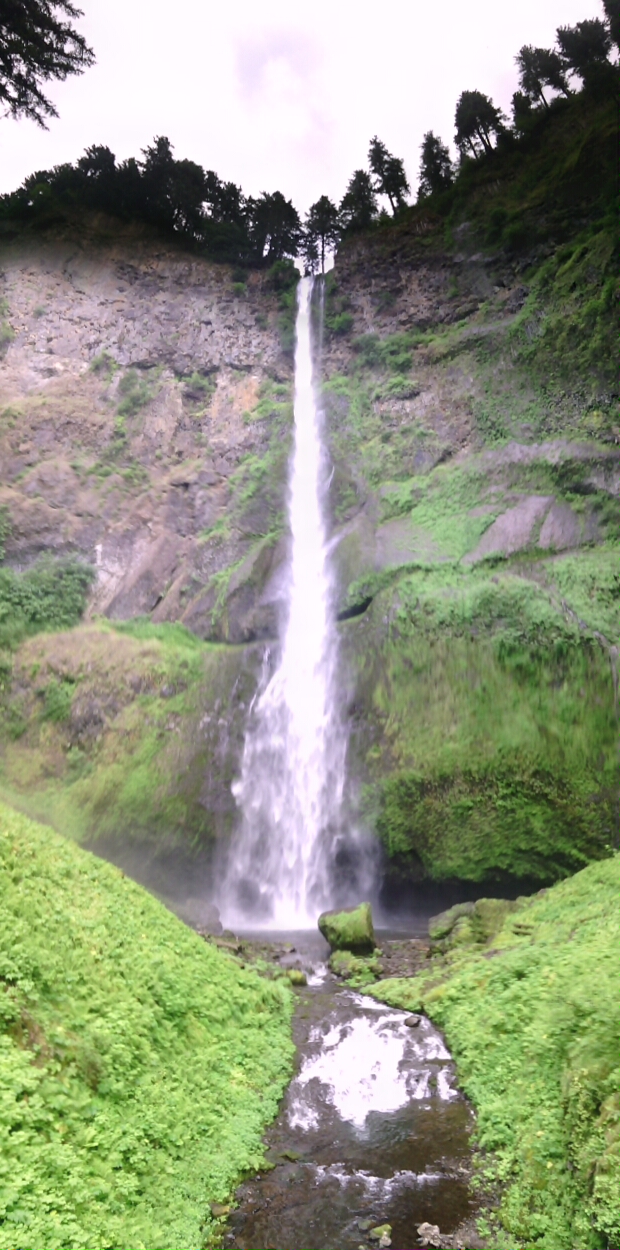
(350, 929)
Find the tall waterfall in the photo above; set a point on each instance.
(292, 775)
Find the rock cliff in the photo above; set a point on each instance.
(145, 419)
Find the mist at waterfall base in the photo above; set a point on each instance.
(292, 855)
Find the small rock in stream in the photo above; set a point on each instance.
(296, 976)
(429, 1234)
(412, 1022)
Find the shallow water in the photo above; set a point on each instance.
(372, 1130)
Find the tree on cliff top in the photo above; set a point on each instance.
(476, 120)
(389, 174)
(36, 45)
(275, 228)
(435, 167)
(358, 207)
(540, 68)
(322, 232)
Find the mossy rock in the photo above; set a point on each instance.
(470, 923)
(440, 926)
(296, 976)
(350, 929)
(489, 916)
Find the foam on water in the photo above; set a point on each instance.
(369, 1063)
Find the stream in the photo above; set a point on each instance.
(371, 1131)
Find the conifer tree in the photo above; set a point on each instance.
(321, 233)
(540, 68)
(476, 120)
(436, 173)
(358, 207)
(37, 45)
(389, 174)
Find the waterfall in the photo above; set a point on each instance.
(293, 766)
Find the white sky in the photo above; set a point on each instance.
(278, 95)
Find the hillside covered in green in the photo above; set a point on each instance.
(138, 1064)
(527, 995)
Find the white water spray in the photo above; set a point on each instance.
(293, 767)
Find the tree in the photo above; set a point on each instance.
(584, 46)
(275, 228)
(523, 114)
(612, 13)
(358, 207)
(322, 232)
(389, 174)
(174, 191)
(225, 200)
(540, 68)
(476, 120)
(436, 173)
(36, 45)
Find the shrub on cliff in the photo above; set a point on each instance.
(50, 595)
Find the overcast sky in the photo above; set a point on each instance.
(280, 95)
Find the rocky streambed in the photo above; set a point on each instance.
(372, 1144)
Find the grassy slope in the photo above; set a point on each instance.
(531, 1016)
(103, 730)
(139, 1065)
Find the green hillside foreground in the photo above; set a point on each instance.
(531, 1014)
(138, 1064)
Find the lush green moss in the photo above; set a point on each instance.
(350, 929)
(489, 740)
(139, 1064)
(532, 1020)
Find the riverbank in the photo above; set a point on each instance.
(530, 1013)
(139, 1065)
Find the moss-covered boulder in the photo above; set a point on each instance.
(350, 929)
(443, 924)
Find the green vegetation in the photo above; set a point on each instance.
(529, 1004)
(135, 391)
(104, 365)
(138, 1063)
(490, 737)
(356, 970)
(50, 595)
(101, 735)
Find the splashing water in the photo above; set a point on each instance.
(292, 777)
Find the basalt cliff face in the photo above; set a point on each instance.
(145, 426)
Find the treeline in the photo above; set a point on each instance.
(180, 196)
(215, 217)
(582, 52)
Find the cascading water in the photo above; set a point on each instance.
(292, 776)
